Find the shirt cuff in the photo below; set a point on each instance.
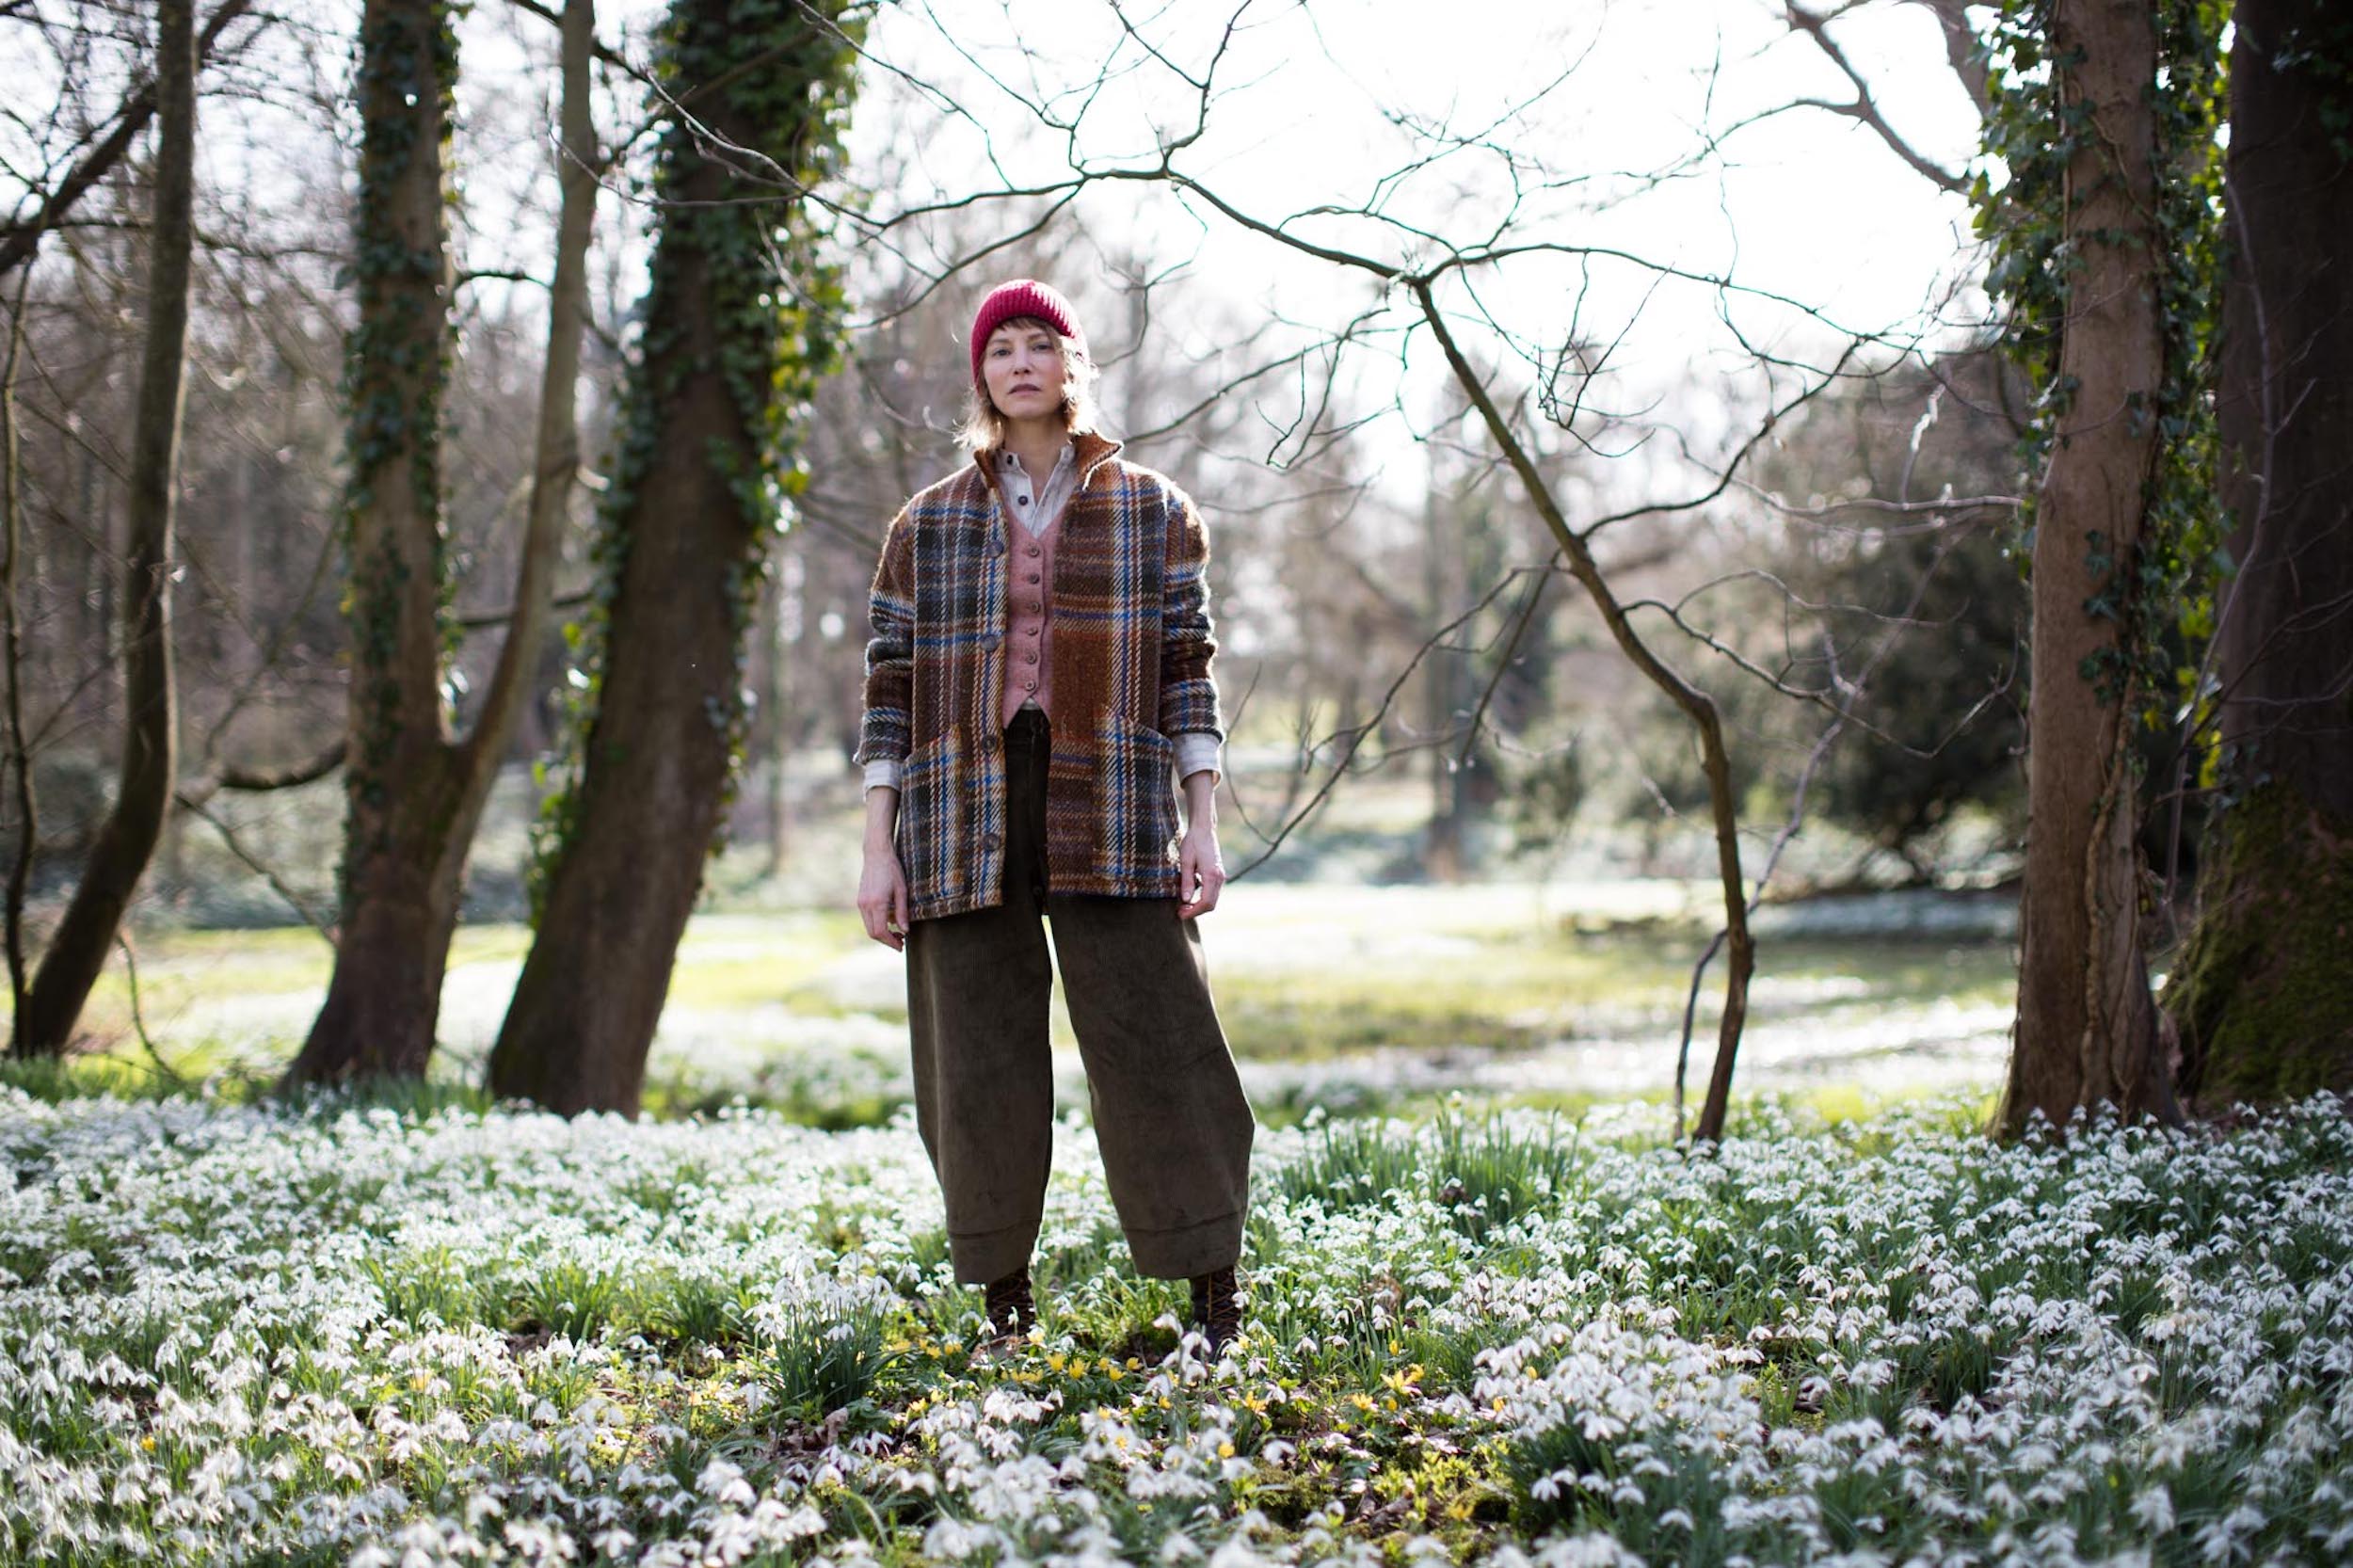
(882, 771)
(1195, 750)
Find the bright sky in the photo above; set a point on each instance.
(1575, 106)
(1317, 106)
(1314, 102)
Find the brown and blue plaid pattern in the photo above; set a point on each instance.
(1132, 646)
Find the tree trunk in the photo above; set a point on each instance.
(2086, 1030)
(2262, 995)
(687, 523)
(21, 803)
(399, 778)
(555, 452)
(78, 949)
(1441, 545)
(413, 796)
(774, 726)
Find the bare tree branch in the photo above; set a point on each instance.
(18, 241)
(1865, 107)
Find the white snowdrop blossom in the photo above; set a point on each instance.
(249, 1335)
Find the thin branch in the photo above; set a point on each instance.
(254, 863)
(1865, 107)
(1357, 733)
(196, 793)
(18, 241)
(489, 618)
(602, 51)
(138, 1017)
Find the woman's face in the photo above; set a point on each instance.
(1022, 365)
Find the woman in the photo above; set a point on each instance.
(1040, 662)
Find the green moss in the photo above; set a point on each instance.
(2262, 993)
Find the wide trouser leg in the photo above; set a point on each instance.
(978, 989)
(1170, 1115)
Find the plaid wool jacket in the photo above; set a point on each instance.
(1132, 647)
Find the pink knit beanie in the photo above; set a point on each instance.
(1023, 296)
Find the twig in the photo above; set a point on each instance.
(138, 1019)
(229, 837)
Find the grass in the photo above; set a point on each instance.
(1525, 988)
(1336, 1001)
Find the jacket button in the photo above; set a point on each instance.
(992, 742)
(989, 842)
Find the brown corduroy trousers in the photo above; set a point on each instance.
(1170, 1115)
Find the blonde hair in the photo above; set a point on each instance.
(982, 426)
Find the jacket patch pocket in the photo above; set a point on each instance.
(1136, 805)
(931, 825)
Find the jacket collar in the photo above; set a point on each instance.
(1092, 450)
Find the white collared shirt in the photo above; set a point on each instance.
(1035, 509)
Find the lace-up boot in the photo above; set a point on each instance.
(1217, 1308)
(1010, 1308)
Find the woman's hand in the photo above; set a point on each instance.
(1200, 871)
(882, 898)
(882, 886)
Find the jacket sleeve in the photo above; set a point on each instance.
(888, 729)
(1188, 693)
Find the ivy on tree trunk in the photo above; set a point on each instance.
(741, 321)
(2261, 993)
(2086, 1029)
(399, 784)
(414, 793)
